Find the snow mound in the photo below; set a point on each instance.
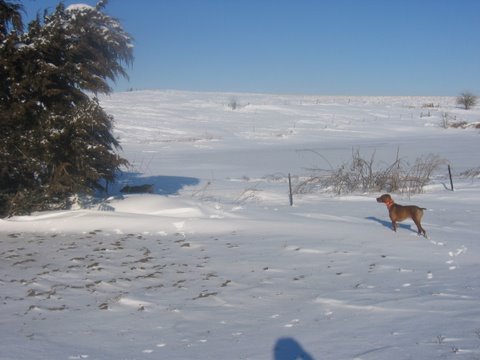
(156, 205)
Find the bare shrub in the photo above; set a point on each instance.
(465, 125)
(471, 173)
(458, 125)
(247, 195)
(233, 103)
(367, 175)
(419, 175)
(467, 100)
(364, 175)
(202, 192)
(449, 121)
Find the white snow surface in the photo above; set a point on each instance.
(216, 264)
(79, 7)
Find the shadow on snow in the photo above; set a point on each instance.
(162, 184)
(289, 349)
(388, 224)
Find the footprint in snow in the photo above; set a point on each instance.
(460, 251)
(453, 255)
(451, 263)
(179, 225)
(437, 243)
(292, 323)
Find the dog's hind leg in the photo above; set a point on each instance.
(421, 230)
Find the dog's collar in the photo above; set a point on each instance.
(389, 203)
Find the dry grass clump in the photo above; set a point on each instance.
(464, 125)
(457, 124)
(471, 173)
(362, 174)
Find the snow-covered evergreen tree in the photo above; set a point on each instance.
(10, 16)
(55, 139)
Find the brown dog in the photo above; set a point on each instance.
(400, 213)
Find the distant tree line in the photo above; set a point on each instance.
(55, 138)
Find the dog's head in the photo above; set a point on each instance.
(385, 198)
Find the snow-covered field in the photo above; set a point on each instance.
(216, 264)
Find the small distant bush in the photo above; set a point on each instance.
(467, 100)
(465, 125)
(233, 103)
(471, 173)
(366, 175)
(460, 124)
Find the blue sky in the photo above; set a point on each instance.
(324, 47)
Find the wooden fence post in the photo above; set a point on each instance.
(290, 189)
(450, 176)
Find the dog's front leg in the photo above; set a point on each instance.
(394, 226)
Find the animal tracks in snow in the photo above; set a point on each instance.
(107, 272)
(177, 279)
(292, 323)
(452, 263)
